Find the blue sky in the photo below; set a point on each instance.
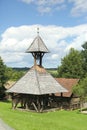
(62, 23)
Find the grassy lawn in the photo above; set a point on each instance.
(59, 120)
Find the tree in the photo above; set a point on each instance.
(3, 78)
(14, 74)
(84, 55)
(81, 90)
(71, 65)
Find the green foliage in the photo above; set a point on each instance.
(81, 88)
(85, 46)
(3, 79)
(71, 65)
(74, 65)
(84, 55)
(14, 75)
(59, 120)
(53, 72)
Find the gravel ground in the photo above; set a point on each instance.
(4, 126)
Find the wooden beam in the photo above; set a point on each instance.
(35, 106)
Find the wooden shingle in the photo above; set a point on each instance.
(37, 81)
(37, 46)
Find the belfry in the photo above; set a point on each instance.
(35, 88)
(37, 49)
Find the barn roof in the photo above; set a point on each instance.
(68, 83)
(37, 46)
(37, 81)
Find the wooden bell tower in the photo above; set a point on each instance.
(36, 86)
(37, 49)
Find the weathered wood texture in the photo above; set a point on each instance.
(34, 88)
(37, 46)
(37, 81)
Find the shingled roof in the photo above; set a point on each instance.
(37, 81)
(37, 46)
(67, 83)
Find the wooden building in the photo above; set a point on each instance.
(33, 90)
(68, 100)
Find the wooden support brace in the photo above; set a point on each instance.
(35, 106)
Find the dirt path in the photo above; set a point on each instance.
(4, 126)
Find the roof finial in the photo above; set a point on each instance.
(37, 30)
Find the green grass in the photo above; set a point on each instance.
(59, 120)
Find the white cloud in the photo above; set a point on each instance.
(61, 7)
(43, 10)
(54, 56)
(46, 6)
(12, 57)
(79, 8)
(43, 2)
(27, 1)
(77, 42)
(15, 41)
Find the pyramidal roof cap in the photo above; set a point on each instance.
(37, 46)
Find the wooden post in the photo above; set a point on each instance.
(61, 94)
(35, 106)
(38, 103)
(34, 60)
(41, 56)
(34, 55)
(40, 60)
(61, 100)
